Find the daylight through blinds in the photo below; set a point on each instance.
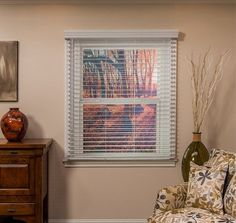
(121, 99)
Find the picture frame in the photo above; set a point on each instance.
(9, 71)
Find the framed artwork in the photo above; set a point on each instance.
(8, 71)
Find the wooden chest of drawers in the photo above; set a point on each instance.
(24, 180)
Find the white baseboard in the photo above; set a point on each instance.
(97, 220)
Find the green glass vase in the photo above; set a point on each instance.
(196, 152)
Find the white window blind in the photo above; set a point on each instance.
(121, 96)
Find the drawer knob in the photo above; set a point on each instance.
(11, 210)
(14, 152)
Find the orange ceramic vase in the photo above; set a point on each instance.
(14, 125)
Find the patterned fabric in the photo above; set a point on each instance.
(190, 215)
(230, 198)
(170, 198)
(218, 156)
(170, 208)
(205, 187)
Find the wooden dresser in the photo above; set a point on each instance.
(24, 180)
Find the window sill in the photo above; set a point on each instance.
(119, 163)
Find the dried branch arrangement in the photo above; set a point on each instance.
(205, 76)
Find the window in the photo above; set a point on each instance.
(121, 97)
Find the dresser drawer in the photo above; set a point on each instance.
(17, 208)
(17, 152)
(17, 175)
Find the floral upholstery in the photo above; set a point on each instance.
(218, 156)
(230, 198)
(171, 197)
(190, 215)
(205, 187)
(171, 206)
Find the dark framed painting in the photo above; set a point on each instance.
(8, 71)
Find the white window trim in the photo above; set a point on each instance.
(123, 163)
(84, 34)
(96, 34)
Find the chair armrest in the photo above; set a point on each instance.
(171, 197)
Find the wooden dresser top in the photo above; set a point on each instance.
(26, 144)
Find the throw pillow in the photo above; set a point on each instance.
(219, 156)
(230, 198)
(205, 187)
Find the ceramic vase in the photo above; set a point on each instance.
(196, 152)
(14, 125)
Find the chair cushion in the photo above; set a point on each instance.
(191, 215)
(230, 198)
(205, 187)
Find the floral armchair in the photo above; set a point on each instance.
(172, 203)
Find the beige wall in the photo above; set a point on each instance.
(114, 192)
